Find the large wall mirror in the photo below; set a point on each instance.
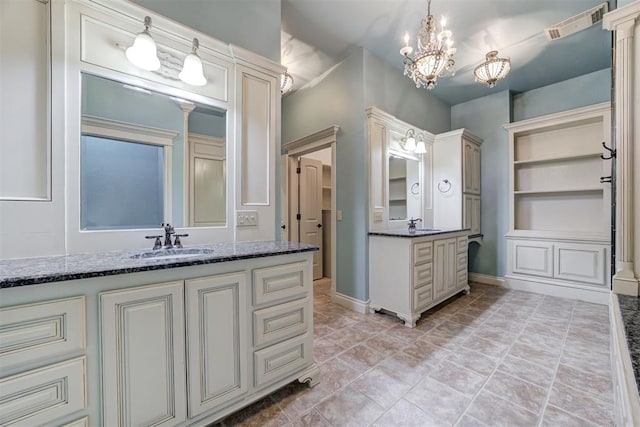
(148, 158)
(405, 193)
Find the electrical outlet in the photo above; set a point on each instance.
(246, 218)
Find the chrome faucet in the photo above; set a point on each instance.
(168, 231)
(412, 224)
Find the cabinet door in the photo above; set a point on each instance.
(439, 268)
(475, 215)
(467, 166)
(216, 337)
(475, 182)
(451, 262)
(143, 364)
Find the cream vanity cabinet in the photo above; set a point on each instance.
(559, 209)
(42, 361)
(456, 177)
(410, 273)
(246, 333)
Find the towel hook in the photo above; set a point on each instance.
(612, 152)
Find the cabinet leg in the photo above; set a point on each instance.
(311, 376)
(467, 289)
(374, 309)
(409, 319)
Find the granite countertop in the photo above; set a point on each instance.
(630, 310)
(404, 232)
(32, 271)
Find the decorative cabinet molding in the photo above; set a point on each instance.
(39, 396)
(41, 331)
(407, 276)
(559, 209)
(456, 177)
(143, 362)
(216, 342)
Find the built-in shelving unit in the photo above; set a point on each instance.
(397, 188)
(559, 209)
(326, 187)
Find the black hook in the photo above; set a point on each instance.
(612, 151)
(604, 179)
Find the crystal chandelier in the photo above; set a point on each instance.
(434, 56)
(286, 82)
(492, 69)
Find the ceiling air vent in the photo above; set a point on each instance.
(577, 23)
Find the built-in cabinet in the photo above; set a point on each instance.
(457, 182)
(175, 347)
(408, 275)
(559, 207)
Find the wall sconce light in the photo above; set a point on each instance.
(144, 53)
(286, 82)
(421, 147)
(192, 69)
(409, 141)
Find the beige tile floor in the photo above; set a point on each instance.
(494, 357)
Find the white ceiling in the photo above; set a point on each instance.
(316, 34)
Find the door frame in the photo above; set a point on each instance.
(325, 138)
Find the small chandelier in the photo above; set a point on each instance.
(144, 53)
(192, 69)
(434, 57)
(286, 83)
(492, 69)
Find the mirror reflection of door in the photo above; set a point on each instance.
(310, 204)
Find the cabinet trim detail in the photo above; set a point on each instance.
(37, 397)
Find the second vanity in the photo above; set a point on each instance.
(410, 272)
(116, 339)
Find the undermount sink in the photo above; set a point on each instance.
(174, 253)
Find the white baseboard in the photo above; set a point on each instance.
(487, 279)
(596, 296)
(625, 391)
(350, 303)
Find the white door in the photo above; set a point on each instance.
(143, 363)
(310, 203)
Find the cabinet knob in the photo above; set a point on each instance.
(319, 225)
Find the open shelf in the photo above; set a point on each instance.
(547, 159)
(398, 199)
(398, 178)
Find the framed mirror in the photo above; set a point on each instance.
(147, 158)
(405, 193)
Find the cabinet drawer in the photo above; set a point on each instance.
(422, 275)
(461, 244)
(461, 262)
(422, 297)
(274, 324)
(422, 252)
(40, 396)
(280, 360)
(41, 331)
(462, 279)
(82, 422)
(281, 282)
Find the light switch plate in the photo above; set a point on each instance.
(246, 218)
(338, 215)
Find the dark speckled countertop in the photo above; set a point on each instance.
(31, 271)
(404, 232)
(630, 310)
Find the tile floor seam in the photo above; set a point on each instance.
(555, 371)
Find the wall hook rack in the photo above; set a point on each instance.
(612, 152)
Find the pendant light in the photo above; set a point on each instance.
(192, 69)
(144, 53)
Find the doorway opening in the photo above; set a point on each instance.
(309, 198)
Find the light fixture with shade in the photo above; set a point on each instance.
(421, 147)
(286, 82)
(434, 55)
(492, 69)
(143, 53)
(192, 68)
(408, 143)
